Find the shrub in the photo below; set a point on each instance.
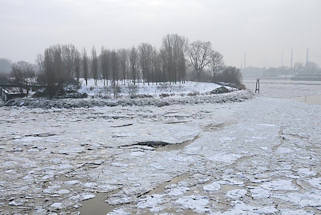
(229, 75)
(220, 90)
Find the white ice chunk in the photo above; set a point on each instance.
(212, 187)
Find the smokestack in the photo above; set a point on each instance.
(291, 60)
(244, 59)
(307, 57)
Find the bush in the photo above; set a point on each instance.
(220, 90)
(229, 75)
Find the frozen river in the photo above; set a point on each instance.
(261, 156)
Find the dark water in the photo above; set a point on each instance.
(96, 206)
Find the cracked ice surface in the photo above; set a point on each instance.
(261, 156)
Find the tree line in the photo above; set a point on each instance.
(62, 64)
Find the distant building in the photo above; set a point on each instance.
(310, 72)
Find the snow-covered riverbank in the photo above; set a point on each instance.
(141, 94)
(235, 96)
(260, 156)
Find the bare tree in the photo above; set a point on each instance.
(124, 63)
(53, 69)
(69, 54)
(94, 65)
(217, 63)
(59, 66)
(156, 66)
(85, 66)
(40, 71)
(145, 59)
(173, 59)
(21, 71)
(77, 66)
(200, 56)
(134, 61)
(105, 59)
(115, 67)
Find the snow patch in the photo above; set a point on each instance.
(309, 199)
(259, 193)
(225, 157)
(212, 187)
(177, 191)
(195, 203)
(119, 211)
(295, 212)
(315, 182)
(86, 196)
(236, 194)
(279, 185)
(243, 209)
(304, 172)
(152, 203)
(57, 205)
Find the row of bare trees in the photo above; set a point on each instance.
(64, 63)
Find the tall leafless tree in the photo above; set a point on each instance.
(156, 66)
(69, 54)
(200, 56)
(22, 71)
(146, 60)
(94, 65)
(134, 64)
(115, 67)
(216, 64)
(85, 66)
(105, 59)
(77, 66)
(173, 59)
(124, 63)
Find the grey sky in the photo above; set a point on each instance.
(265, 29)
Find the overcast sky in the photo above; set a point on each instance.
(265, 30)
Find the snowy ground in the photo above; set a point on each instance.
(101, 90)
(261, 156)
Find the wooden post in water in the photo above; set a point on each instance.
(257, 86)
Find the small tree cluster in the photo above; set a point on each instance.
(203, 58)
(172, 53)
(22, 72)
(230, 75)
